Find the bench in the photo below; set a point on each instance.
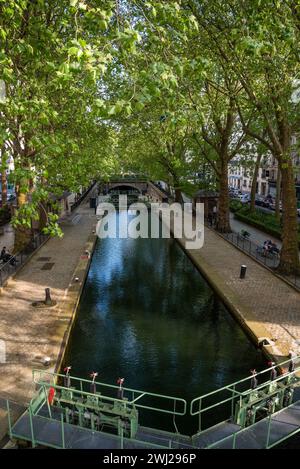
(244, 234)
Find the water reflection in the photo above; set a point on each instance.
(146, 314)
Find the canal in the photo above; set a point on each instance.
(146, 314)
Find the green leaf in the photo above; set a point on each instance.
(111, 110)
(99, 102)
(128, 109)
(139, 106)
(103, 25)
(74, 51)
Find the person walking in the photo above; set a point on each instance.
(210, 218)
(215, 214)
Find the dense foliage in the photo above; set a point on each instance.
(172, 89)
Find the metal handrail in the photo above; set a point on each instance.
(252, 249)
(82, 197)
(141, 394)
(36, 441)
(234, 392)
(5, 267)
(39, 377)
(242, 430)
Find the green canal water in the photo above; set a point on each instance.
(146, 314)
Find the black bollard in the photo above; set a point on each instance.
(48, 300)
(243, 271)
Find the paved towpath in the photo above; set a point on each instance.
(265, 304)
(30, 334)
(7, 238)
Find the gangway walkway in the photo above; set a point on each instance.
(264, 410)
(68, 412)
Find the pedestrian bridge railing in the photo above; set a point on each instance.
(128, 397)
(259, 410)
(240, 402)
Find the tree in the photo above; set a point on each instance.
(221, 138)
(54, 56)
(257, 41)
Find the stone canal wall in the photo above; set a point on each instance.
(266, 307)
(31, 334)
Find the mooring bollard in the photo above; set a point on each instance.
(48, 300)
(243, 271)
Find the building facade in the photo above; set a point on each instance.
(240, 177)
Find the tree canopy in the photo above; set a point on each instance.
(93, 87)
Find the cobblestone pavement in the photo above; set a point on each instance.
(257, 236)
(265, 302)
(29, 333)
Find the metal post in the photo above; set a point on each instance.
(31, 427)
(48, 405)
(122, 437)
(232, 402)
(234, 440)
(269, 430)
(62, 431)
(243, 271)
(9, 419)
(200, 405)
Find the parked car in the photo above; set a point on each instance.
(266, 203)
(298, 212)
(234, 194)
(259, 201)
(244, 198)
(272, 206)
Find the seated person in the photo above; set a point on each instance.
(3, 251)
(266, 247)
(272, 247)
(7, 257)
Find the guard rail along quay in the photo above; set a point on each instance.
(68, 412)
